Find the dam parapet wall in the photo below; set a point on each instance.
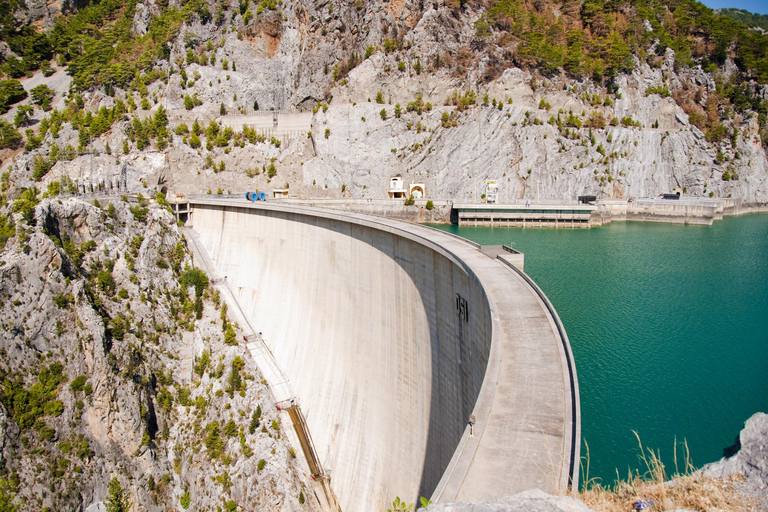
(687, 210)
(394, 337)
(389, 208)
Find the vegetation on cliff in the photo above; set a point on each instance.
(130, 62)
(103, 395)
(595, 38)
(599, 38)
(745, 17)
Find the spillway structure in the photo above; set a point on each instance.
(423, 364)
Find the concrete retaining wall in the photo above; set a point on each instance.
(684, 211)
(674, 212)
(364, 323)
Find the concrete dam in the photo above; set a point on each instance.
(424, 364)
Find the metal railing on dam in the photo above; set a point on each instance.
(394, 338)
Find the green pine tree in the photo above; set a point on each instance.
(117, 499)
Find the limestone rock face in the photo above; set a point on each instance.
(41, 13)
(752, 457)
(95, 296)
(350, 56)
(141, 19)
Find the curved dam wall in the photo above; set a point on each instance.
(390, 342)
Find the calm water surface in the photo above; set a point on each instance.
(669, 329)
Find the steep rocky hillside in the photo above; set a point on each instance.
(448, 93)
(747, 18)
(121, 371)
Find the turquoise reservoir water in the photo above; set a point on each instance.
(669, 330)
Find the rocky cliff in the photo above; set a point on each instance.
(750, 461)
(119, 362)
(401, 88)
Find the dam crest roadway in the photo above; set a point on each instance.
(412, 362)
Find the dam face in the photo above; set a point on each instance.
(386, 337)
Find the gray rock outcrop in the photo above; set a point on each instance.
(305, 53)
(752, 458)
(143, 389)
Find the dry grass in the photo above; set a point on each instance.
(686, 490)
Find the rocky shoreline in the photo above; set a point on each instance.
(747, 469)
